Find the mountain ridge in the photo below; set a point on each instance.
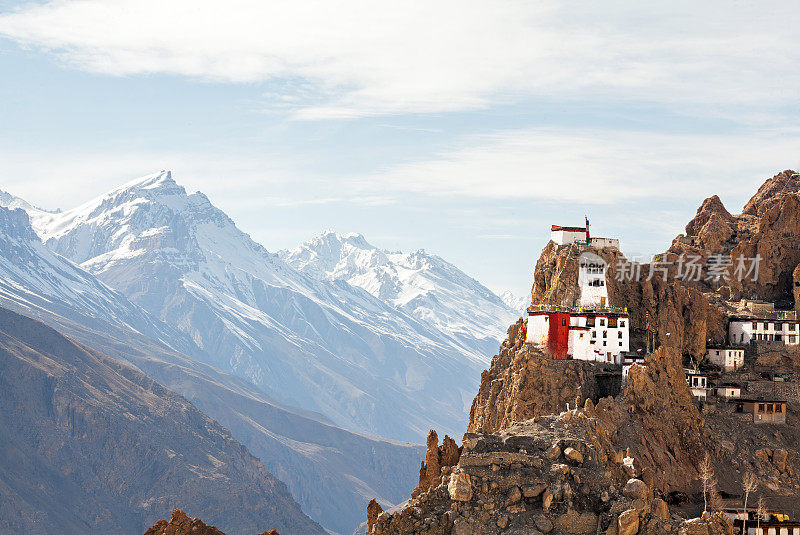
(322, 345)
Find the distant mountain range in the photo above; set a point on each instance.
(332, 472)
(422, 285)
(394, 360)
(387, 347)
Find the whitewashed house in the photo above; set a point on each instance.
(698, 384)
(728, 358)
(595, 335)
(743, 330)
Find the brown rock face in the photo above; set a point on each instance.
(436, 458)
(713, 224)
(181, 524)
(519, 481)
(796, 280)
(655, 417)
(770, 193)
(526, 383)
(374, 510)
(777, 243)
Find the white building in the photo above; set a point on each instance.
(746, 330)
(627, 363)
(698, 384)
(594, 335)
(592, 281)
(727, 358)
(604, 243)
(729, 391)
(567, 235)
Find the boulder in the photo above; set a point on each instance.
(628, 522)
(635, 489)
(460, 487)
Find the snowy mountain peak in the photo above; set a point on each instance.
(421, 284)
(514, 302)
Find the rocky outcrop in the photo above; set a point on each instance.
(374, 510)
(436, 458)
(525, 383)
(796, 281)
(528, 479)
(771, 192)
(655, 417)
(777, 244)
(180, 524)
(712, 226)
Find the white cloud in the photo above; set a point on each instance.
(597, 167)
(367, 57)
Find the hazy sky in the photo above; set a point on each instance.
(464, 127)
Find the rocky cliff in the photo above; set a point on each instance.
(655, 417)
(768, 227)
(522, 383)
(180, 524)
(553, 474)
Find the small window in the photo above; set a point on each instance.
(594, 334)
(622, 323)
(778, 337)
(620, 344)
(769, 407)
(619, 335)
(778, 407)
(605, 334)
(604, 343)
(563, 322)
(581, 335)
(602, 322)
(760, 407)
(755, 326)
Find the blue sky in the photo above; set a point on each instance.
(465, 128)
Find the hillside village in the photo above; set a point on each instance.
(637, 398)
(598, 331)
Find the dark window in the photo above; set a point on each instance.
(605, 334)
(778, 407)
(769, 407)
(760, 407)
(604, 342)
(755, 326)
(602, 322)
(619, 334)
(563, 322)
(622, 323)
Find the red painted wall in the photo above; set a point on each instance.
(558, 335)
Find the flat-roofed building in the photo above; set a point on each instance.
(764, 410)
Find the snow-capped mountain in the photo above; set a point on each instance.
(332, 472)
(423, 285)
(514, 302)
(322, 345)
(31, 273)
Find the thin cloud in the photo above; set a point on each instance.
(597, 167)
(356, 58)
